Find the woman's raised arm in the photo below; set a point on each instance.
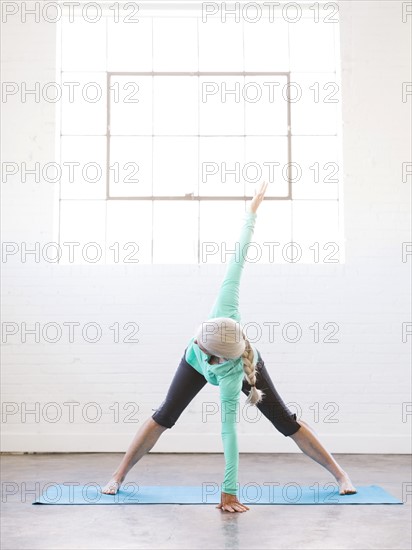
(227, 301)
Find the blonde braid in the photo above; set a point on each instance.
(255, 395)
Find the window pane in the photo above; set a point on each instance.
(175, 105)
(221, 106)
(315, 113)
(266, 46)
(83, 222)
(175, 166)
(213, 136)
(79, 181)
(266, 160)
(175, 232)
(84, 45)
(273, 230)
(175, 44)
(266, 111)
(129, 223)
(130, 45)
(319, 168)
(314, 222)
(130, 166)
(312, 45)
(221, 165)
(131, 105)
(220, 226)
(84, 104)
(220, 45)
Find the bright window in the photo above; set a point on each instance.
(173, 121)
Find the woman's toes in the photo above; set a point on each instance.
(111, 488)
(346, 488)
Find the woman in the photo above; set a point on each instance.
(220, 353)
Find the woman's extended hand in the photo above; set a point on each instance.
(258, 198)
(230, 503)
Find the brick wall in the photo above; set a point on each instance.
(362, 381)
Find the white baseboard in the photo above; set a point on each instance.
(206, 443)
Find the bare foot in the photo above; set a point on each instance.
(345, 485)
(112, 487)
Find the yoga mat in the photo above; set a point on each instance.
(251, 493)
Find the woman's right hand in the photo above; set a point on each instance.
(230, 503)
(258, 198)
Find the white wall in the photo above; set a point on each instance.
(366, 374)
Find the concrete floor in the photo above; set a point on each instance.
(296, 527)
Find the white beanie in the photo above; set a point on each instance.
(222, 336)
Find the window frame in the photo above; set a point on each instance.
(288, 73)
(197, 74)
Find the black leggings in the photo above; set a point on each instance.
(187, 383)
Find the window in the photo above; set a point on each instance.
(169, 123)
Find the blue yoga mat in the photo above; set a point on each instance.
(252, 493)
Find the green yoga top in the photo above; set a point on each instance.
(228, 375)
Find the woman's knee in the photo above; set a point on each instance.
(157, 425)
(288, 425)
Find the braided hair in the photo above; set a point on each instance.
(255, 395)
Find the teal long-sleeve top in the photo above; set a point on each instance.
(228, 375)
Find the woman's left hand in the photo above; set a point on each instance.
(230, 503)
(258, 198)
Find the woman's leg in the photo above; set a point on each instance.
(273, 407)
(186, 383)
(307, 440)
(143, 441)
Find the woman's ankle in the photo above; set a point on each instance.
(341, 475)
(119, 477)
